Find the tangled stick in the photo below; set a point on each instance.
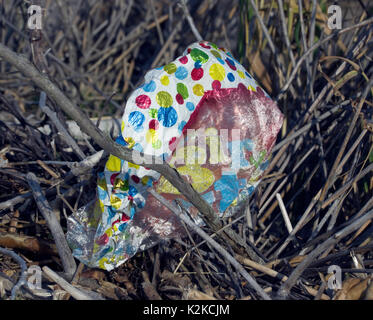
(22, 264)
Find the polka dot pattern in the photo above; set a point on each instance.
(164, 99)
(199, 55)
(197, 74)
(198, 90)
(217, 72)
(165, 80)
(179, 86)
(154, 119)
(150, 86)
(182, 90)
(167, 116)
(170, 68)
(143, 101)
(136, 119)
(181, 73)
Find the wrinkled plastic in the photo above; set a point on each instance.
(206, 116)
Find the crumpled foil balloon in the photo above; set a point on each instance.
(207, 117)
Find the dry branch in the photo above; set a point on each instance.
(64, 251)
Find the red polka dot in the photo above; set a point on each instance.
(112, 178)
(153, 124)
(184, 60)
(197, 74)
(179, 99)
(233, 67)
(143, 101)
(189, 50)
(135, 179)
(204, 45)
(216, 85)
(102, 240)
(172, 143)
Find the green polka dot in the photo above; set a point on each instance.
(183, 90)
(170, 68)
(199, 55)
(157, 144)
(153, 113)
(213, 45)
(216, 54)
(164, 99)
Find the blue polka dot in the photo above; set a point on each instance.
(139, 203)
(181, 73)
(101, 193)
(121, 141)
(132, 212)
(150, 86)
(136, 119)
(264, 165)
(122, 227)
(132, 191)
(231, 62)
(130, 250)
(248, 75)
(190, 106)
(138, 147)
(221, 61)
(164, 156)
(111, 213)
(197, 64)
(167, 116)
(230, 77)
(181, 126)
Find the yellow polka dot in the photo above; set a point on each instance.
(217, 72)
(145, 180)
(241, 74)
(234, 203)
(109, 232)
(122, 126)
(118, 183)
(130, 142)
(202, 179)
(251, 88)
(113, 164)
(132, 165)
(165, 80)
(151, 136)
(102, 262)
(198, 90)
(164, 99)
(115, 202)
(96, 247)
(101, 204)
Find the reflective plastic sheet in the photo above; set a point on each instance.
(206, 116)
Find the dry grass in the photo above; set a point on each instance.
(321, 167)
